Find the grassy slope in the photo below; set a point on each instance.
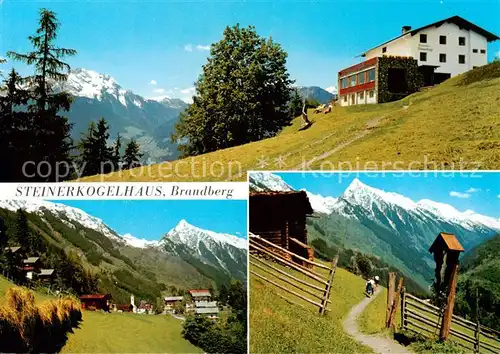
(278, 327)
(121, 332)
(445, 123)
(128, 333)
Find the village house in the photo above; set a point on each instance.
(31, 266)
(200, 295)
(171, 301)
(208, 309)
(418, 57)
(45, 275)
(144, 308)
(93, 302)
(280, 218)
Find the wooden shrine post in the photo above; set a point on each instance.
(447, 246)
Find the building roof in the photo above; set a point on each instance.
(201, 304)
(46, 271)
(196, 293)
(288, 199)
(446, 241)
(459, 21)
(31, 260)
(174, 298)
(94, 296)
(13, 249)
(209, 310)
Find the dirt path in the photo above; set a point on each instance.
(379, 344)
(372, 123)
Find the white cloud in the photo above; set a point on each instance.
(159, 90)
(473, 190)
(203, 47)
(459, 195)
(332, 90)
(184, 94)
(199, 47)
(498, 196)
(153, 82)
(188, 91)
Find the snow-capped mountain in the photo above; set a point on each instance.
(332, 90)
(148, 121)
(138, 242)
(316, 93)
(216, 249)
(263, 181)
(389, 225)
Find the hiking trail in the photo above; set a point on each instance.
(379, 344)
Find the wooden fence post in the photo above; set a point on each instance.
(394, 307)
(391, 282)
(403, 308)
(450, 303)
(326, 294)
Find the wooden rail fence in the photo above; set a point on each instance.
(314, 288)
(423, 318)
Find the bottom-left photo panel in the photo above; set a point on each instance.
(112, 276)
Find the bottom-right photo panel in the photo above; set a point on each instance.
(374, 262)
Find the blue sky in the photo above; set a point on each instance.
(166, 41)
(476, 191)
(151, 219)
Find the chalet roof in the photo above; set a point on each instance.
(95, 296)
(205, 310)
(31, 260)
(174, 298)
(446, 241)
(195, 293)
(459, 21)
(201, 304)
(13, 249)
(289, 199)
(144, 305)
(46, 271)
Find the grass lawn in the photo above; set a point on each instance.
(451, 126)
(279, 327)
(128, 333)
(6, 284)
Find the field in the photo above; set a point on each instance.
(121, 332)
(451, 126)
(278, 327)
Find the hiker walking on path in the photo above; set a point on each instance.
(371, 285)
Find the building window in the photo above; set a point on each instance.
(423, 56)
(384, 49)
(372, 94)
(344, 82)
(474, 50)
(423, 38)
(353, 80)
(361, 95)
(483, 51)
(442, 58)
(461, 59)
(442, 39)
(461, 41)
(345, 98)
(371, 75)
(361, 78)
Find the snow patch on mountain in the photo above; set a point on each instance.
(72, 214)
(332, 90)
(320, 204)
(138, 242)
(266, 181)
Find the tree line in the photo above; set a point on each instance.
(32, 125)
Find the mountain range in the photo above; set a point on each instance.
(388, 225)
(323, 96)
(149, 121)
(186, 256)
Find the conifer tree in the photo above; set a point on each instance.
(132, 156)
(22, 234)
(52, 141)
(16, 134)
(3, 238)
(295, 105)
(96, 156)
(117, 159)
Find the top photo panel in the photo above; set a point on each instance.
(206, 91)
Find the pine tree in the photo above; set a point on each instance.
(16, 133)
(117, 159)
(132, 156)
(52, 141)
(3, 240)
(242, 95)
(96, 156)
(295, 105)
(22, 235)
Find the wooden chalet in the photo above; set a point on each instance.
(280, 218)
(93, 302)
(200, 295)
(31, 266)
(46, 275)
(171, 301)
(124, 308)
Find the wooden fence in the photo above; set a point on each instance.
(421, 317)
(270, 262)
